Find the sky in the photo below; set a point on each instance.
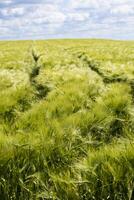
(48, 19)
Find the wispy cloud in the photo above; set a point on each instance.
(20, 19)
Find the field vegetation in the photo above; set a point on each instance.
(67, 120)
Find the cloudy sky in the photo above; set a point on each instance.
(40, 19)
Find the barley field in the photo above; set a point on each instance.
(67, 120)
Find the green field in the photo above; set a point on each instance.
(67, 120)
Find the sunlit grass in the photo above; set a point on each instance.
(66, 120)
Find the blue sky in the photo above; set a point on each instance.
(40, 19)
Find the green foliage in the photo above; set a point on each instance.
(66, 120)
(108, 173)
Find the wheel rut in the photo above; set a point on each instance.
(95, 66)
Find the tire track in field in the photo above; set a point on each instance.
(94, 66)
(42, 91)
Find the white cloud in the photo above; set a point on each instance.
(99, 4)
(78, 16)
(6, 1)
(122, 10)
(96, 4)
(55, 17)
(44, 18)
(12, 11)
(47, 13)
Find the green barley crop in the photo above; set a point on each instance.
(67, 120)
